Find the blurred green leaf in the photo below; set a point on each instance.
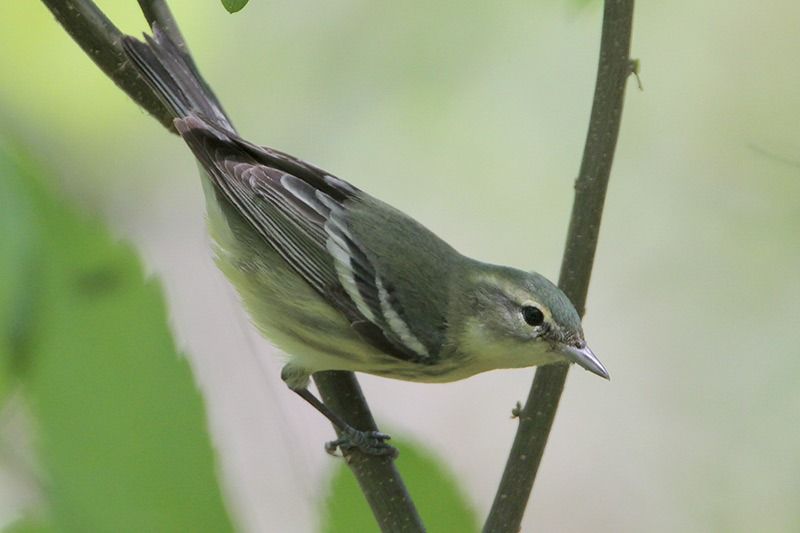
(439, 499)
(18, 233)
(121, 425)
(234, 5)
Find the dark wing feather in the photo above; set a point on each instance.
(302, 213)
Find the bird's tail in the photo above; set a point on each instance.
(171, 74)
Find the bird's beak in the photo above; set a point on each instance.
(585, 357)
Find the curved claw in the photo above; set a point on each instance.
(368, 442)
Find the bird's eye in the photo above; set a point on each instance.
(532, 315)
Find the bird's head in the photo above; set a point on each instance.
(520, 319)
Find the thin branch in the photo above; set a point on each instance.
(157, 11)
(536, 418)
(100, 39)
(380, 482)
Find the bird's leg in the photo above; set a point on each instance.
(369, 442)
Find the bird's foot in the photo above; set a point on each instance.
(368, 442)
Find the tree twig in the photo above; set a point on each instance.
(536, 418)
(100, 39)
(157, 11)
(379, 480)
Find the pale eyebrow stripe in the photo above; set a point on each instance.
(514, 295)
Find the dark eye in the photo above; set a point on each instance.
(533, 315)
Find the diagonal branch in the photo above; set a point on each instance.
(157, 12)
(377, 476)
(100, 39)
(536, 418)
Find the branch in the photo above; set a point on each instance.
(377, 476)
(100, 39)
(536, 418)
(157, 11)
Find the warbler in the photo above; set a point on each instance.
(339, 280)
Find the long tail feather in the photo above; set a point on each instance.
(176, 83)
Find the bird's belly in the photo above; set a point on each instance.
(313, 335)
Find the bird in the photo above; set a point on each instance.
(339, 280)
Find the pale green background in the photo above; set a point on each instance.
(471, 117)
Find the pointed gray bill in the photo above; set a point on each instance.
(586, 358)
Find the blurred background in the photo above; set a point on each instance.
(471, 117)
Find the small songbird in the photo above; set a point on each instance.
(339, 280)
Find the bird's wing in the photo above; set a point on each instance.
(302, 212)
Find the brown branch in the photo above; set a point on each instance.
(157, 12)
(536, 418)
(100, 39)
(379, 480)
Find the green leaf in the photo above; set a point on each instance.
(234, 5)
(19, 231)
(436, 493)
(121, 425)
